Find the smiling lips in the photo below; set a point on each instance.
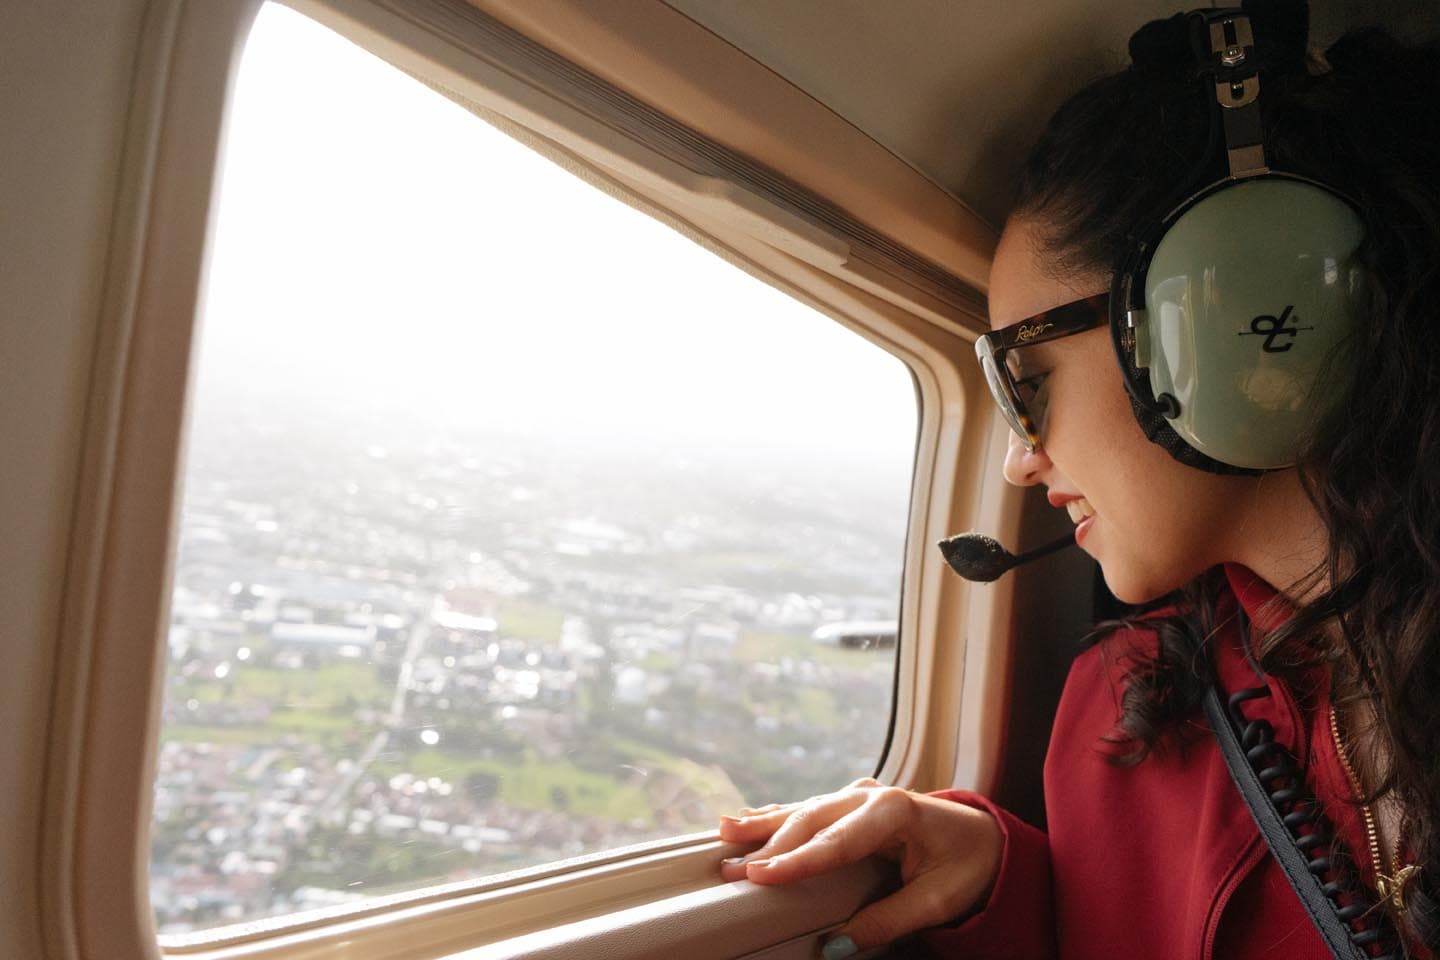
(1081, 514)
(1079, 509)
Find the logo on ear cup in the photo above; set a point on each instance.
(1271, 327)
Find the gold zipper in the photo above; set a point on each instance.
(1389, 885)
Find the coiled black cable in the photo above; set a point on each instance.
(1283, 782)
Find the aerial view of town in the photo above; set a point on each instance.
(427, 655)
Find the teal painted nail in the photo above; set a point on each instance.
(839, 949)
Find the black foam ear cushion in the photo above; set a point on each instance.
(1160, 433)
(1158, 430)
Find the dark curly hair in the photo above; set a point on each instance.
(1365, 119)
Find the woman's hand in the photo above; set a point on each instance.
(948, 853)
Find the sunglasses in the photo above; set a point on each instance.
(1019, 392)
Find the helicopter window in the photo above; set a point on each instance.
(515, 527)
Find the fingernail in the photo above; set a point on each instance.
(765, 862)
(838, 949)
(733, 861)
(725, 818)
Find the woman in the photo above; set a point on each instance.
(1150, 851)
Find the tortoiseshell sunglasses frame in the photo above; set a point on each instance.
(1065, 320)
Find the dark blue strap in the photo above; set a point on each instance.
(1279, 839)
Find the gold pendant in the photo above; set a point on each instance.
(1393, 888)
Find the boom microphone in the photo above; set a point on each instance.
(980, 558)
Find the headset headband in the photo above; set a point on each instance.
(1235, 69)
(1244, 254)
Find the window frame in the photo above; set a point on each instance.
(105, 722)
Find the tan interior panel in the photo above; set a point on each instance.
(654, 52)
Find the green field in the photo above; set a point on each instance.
(329, 686)
(531, 621)
(531, 783)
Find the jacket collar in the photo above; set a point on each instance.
(1266, 607)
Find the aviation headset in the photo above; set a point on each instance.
(1227, 311)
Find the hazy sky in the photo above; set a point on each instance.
(381, 248)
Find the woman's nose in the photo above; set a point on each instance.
(1023, 467)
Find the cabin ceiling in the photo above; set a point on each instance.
(959, 88)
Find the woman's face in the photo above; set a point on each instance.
(1156, 523)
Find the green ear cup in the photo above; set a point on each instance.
(1249, 296)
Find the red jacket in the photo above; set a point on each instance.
(1160, 860)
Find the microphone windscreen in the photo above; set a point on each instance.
(976, 557)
